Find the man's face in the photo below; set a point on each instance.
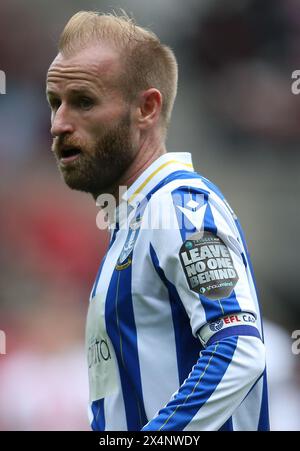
(90, 119)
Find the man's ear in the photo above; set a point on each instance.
(149, 108)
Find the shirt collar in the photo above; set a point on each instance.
(157, 171)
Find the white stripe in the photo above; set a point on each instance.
(114, 409)
(246, 417)
(152, 312)
(167, 243)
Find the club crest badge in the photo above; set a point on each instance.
(125, 258)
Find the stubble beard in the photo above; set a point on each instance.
(101, 165)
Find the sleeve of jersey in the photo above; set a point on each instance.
(200, 254)
(217, 384)
(201, 258)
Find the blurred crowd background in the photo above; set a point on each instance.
(237, 115)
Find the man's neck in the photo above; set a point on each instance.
(140, 165)
(146, 155)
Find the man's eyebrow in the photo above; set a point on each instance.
(81, 90)
(50, 93)
(73, 91)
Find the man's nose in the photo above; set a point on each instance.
(61, 122)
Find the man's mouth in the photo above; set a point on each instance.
(67, 155)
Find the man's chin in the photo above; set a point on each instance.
(74, 180)
(81, 182)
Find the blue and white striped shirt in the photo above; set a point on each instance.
(174, 331)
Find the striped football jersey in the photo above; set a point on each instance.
(174, 337)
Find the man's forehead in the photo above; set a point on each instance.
(93, 63)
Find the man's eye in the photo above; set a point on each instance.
(85, 103)
(54, 104)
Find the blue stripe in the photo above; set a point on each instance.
(103, 260)
(224, 305)
(212, 309)
(212, 187)
(181, 196)
(228, 426)
(98, 423)
(207, 374)
(264, 423)
(121, 329)
(231, 304)
(241, 232)
(98, 276)
(232, 331)
(185, 226)
(184, 338)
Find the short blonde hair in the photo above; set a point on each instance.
(147, 62)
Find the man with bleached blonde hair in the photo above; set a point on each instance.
(127, 77)
(173, 335)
